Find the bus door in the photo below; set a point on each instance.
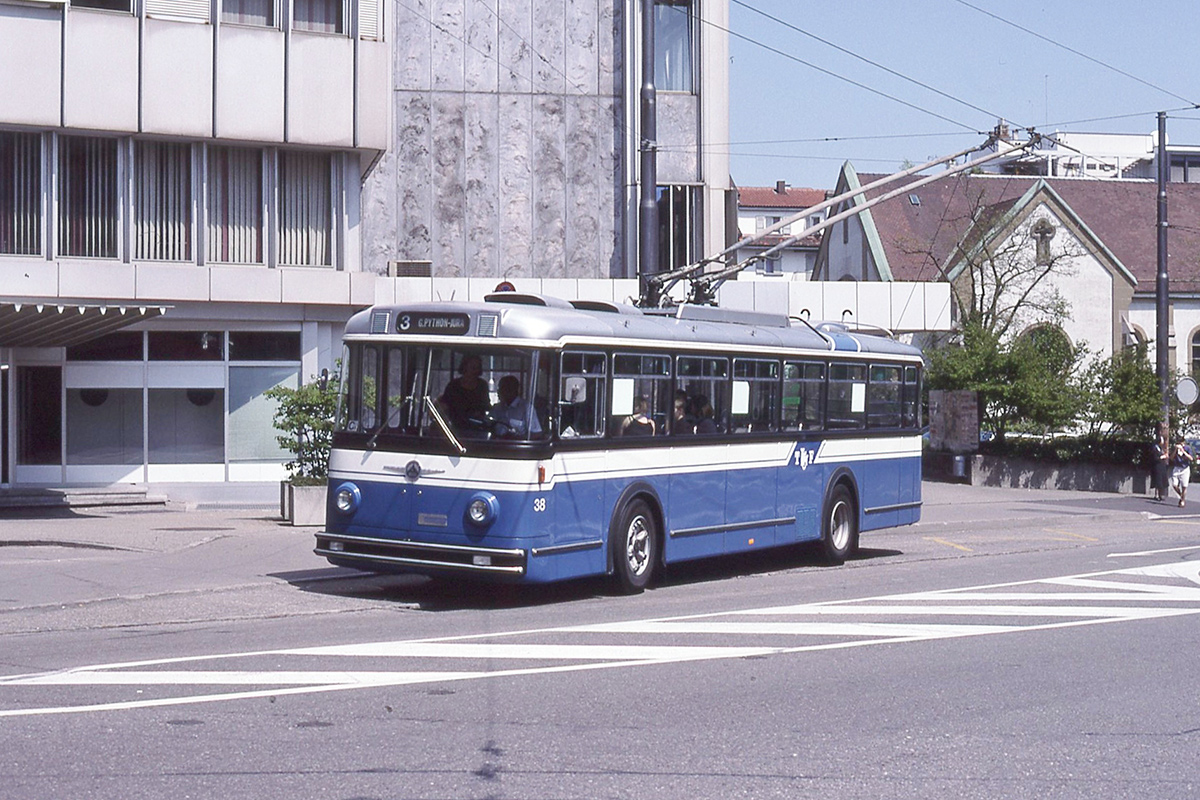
(752, 480)
(700, 459)
(801, 479)
(883, 475)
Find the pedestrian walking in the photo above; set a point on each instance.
(1160, 468)
(1181, 469)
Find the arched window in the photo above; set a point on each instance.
(1053, 344)
(1196, 353)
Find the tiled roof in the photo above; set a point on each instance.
(767, 197)
(919, 237)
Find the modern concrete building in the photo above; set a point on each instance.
(196, 194)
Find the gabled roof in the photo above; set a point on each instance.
(768, 197)
(918, 232)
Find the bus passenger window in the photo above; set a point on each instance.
(803, 395)
(847, 395)
(582, 398)
(910, 410)
(755, 395)
(883, 397)
(705, 381)
(642, 402)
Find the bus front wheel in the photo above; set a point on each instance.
(635, 547)
(840, 535)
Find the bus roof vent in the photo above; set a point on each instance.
(522, 299)
(379, 321)
(734, 316)
(606, 306)
(488, 323)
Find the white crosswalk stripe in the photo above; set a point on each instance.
(1137, 593)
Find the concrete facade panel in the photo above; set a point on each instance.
(28, 278)
(588, 199)
(908, 306)
(481, 46)
(806, 300)
(581, 47)
(161, 282)
(549, 43)
(320, 90)
(250, 80)
(177, 78)
(315, 285)
(549, 187)
(678, 125)
(100, 71)
(481, 200)
(513, 49)
(414, 177)
(32, 48)
(245, 284)
(838, 297)
(516, 186)
(96, 279)
(412, 45)
(446, 46)
(374, 95)
(447, 128)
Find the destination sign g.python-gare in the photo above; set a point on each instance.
(433, 322)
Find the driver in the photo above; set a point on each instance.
(467, 395)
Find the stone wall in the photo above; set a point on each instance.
(508, 131)
(1019, 473)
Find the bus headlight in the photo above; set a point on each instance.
(482, 508)
(346, 498)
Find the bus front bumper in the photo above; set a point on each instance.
(398, 555)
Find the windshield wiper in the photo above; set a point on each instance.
(445, 426)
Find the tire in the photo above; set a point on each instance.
(839, 528)
(634, 543)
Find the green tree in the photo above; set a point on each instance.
(304, 418)
(1122, 396)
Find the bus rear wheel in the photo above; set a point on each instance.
(839, 536)
(635, 547)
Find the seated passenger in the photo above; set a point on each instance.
(681, 420)
(704, 415)
(638, 423)
(513, 414)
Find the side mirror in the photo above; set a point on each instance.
(574, 390)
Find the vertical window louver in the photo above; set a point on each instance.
(20, 193)
(162, 185)
(370, 22)
(322, 16)
(87, 197)
(305, 209)
(235, 205)
(198, 10)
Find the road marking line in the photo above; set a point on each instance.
(948, 543)
(857, 634)
(1155, 552)
(1079, 536)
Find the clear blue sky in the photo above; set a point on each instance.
(956, 50)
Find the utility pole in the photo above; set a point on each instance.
(648, 198)
(1162, 284)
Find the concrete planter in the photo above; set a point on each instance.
(303, 505)
(1016, 473)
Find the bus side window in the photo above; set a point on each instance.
(705, 380)
(755, 395)
(910, 410)
(642, 402)
(803, 395)
(582, 398)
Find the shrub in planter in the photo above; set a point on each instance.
(304, 419)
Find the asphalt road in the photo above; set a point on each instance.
(1013, 645)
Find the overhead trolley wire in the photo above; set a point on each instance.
(865, 60)
(1072, 50)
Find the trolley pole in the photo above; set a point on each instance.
(1162, 284)
(648, 198)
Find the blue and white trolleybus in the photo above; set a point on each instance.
(528, 438)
